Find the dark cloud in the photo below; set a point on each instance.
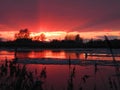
(82, 14)
(18, 13)
(102, 22)
(77, 15)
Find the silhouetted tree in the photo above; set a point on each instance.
(42, 37)
(23, 34)
(36, 38)
(78, 38)
(69, 37)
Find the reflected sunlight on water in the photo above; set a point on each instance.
(87, 77)
(60, 54)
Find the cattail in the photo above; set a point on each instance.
(110, 47)
(69, 61)
(43, 73)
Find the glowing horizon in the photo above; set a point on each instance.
(60, 35)
(58, 18)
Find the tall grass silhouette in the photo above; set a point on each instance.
(115, 63)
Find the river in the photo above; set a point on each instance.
(59, 75)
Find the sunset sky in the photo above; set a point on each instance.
(56, 18)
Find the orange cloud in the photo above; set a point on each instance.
(60, 35)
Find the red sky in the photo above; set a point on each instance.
(82, 16)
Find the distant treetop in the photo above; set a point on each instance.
(23, 34)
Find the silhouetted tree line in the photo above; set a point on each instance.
(22, 39)
(115, 43)
(28, 43)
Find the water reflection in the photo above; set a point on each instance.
(61, 54)
(6, 54)
(42, 54)
(59, 77)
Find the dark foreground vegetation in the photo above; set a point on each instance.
(16, 77)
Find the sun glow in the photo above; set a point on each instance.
(60, 35)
